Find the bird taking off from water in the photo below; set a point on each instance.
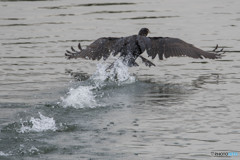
(131, 47)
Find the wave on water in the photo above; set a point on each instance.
(40, 124)
(84, 96)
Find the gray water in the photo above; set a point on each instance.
(53, 108)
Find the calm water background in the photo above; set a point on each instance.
(52, 108)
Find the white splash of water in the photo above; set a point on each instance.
(118, 73)
(4, 154)
(84, 97)
(33, 150)
(80, 97)
(40, 124)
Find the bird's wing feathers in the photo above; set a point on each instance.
(171, 47)
(102, 47)
(161, 46)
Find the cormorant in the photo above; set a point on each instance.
(131, 47)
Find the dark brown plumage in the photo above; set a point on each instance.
(131, 47)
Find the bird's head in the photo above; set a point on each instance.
(143, 32)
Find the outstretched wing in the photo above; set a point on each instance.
(102, 47)
(171, 47)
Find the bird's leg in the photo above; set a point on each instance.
(130, 60)
(110, 66)
(147, 62)
(127, 60)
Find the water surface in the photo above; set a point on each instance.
(52, 108)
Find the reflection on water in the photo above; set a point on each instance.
(52, 108)
(104, 4)
(150, 17)
(87, 5)
(17, 25)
